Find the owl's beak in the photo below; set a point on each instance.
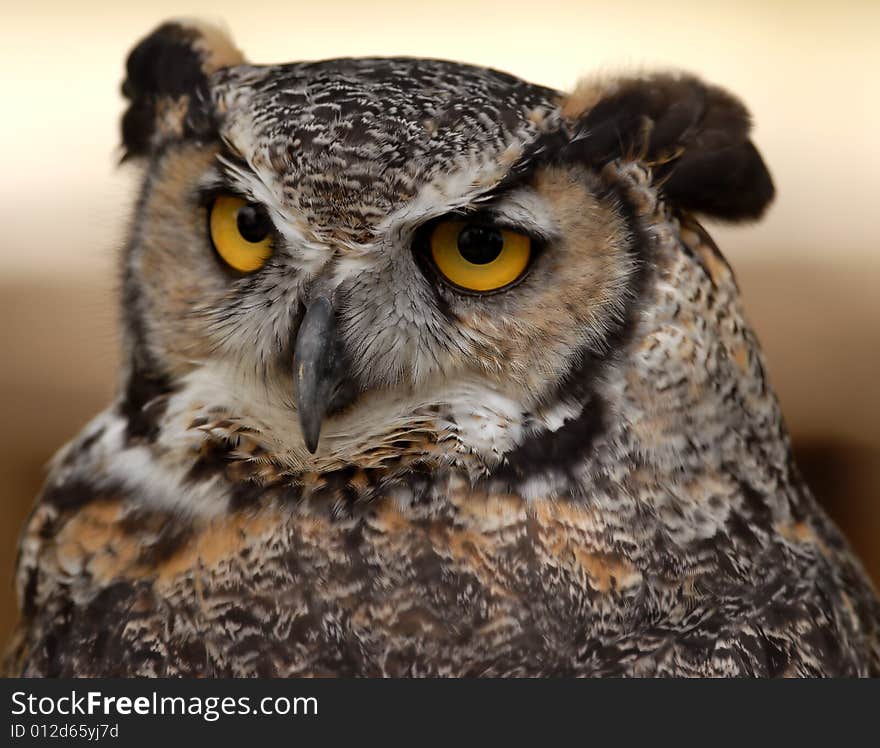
(319, 372)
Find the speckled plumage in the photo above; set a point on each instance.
(586, 474)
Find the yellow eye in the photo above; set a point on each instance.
(477, 257)
(241, 233)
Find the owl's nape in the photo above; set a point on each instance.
(432, 371)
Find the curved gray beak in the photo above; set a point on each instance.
(319, 373)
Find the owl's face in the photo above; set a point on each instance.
(365, 259)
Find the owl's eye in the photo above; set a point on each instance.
(241, 233)
(479, 257)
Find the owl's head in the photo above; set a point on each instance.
(360, 261)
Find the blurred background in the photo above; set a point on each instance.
(810, 272)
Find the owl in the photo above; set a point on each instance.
(431, 371)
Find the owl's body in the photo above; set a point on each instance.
(581, 472)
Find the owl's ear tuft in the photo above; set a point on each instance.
(166, 84)
(694, 136)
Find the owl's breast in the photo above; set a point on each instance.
(482, 584)
(468, 583)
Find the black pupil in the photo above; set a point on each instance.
(480, 244)
(253, 223)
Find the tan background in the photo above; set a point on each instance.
(810, 272)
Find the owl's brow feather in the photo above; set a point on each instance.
(232, 169)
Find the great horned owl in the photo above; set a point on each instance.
(432, 371)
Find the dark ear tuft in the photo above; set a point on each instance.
(696, 138)
(167, 84)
